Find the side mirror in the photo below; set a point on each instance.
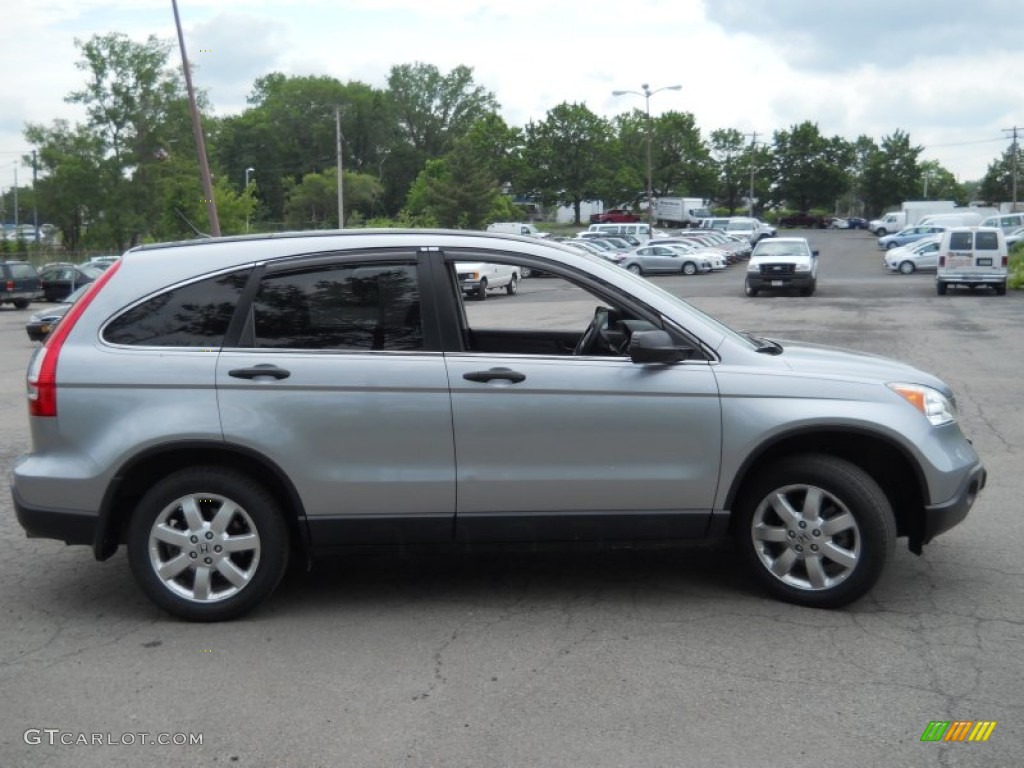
(815, 253)
(656, 347)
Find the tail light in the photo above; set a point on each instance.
(42, 374)
(10, 286)
(942, 260)
(1006, 262)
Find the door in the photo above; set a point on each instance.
(562, 446)
(335, 381)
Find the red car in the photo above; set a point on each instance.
(615, 215)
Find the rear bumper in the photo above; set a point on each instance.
(69, 526)
(974, 279)
(939, 518)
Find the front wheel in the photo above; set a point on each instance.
(21, 303)
(907, 267)
(749, 290)
(513, 286)
(815, 530)
(635, 269)
(481, 292)
(689, 268)
(207, 544)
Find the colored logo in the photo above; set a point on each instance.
(958, 730)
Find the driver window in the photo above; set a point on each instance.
(532, 313)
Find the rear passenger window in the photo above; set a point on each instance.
(354, 306)
(960, 241)
(987, 241)
(193, 315)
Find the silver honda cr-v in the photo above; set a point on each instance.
(219, 406)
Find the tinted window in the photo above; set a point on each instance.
(986, 241)
(353, 306)
(22, 271)
(194, 315)
(960, 241)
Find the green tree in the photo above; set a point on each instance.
(997, 183)
(567, 155)
(810, 170)
(456, 191)
(892, 174)
(313, 203)
(727, 148)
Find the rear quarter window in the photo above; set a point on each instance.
(23, 271)
(193, 315)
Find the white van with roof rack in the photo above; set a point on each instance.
(972, 256)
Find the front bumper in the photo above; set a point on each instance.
(939, 518)
(798, 280)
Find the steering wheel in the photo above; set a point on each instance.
(593, 332)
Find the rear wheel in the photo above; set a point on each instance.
(1000, 289)
(907, 267)
(207, 544)
(940, 288)
(21, 303)
(815, 530)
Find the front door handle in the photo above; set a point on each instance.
(495, 373)
(264, 369)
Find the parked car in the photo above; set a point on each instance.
(805, 220)
(922, 255)
(852, 222)
(42, 322)
(19, 283)
(659, 259)
(58, 282)
(782, 263)
(1014, 237)
(614, 215)
(220, 405)
(909, 235)
(101, 262)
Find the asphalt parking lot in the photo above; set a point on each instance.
(560, 659)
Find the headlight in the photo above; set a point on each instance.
(935, 406)
(752, 267)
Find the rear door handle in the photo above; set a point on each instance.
(495, 373)
(264, 369)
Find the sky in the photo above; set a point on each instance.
(950, 73)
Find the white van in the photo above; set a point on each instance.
(1005, 221)
(968, 219)
(524, 228)
(640, 230)
(972, 256)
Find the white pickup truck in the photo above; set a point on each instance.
(478, 277)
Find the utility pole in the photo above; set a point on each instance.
(753, 147)
(197, 132)
(1013, 147)
(337, 140)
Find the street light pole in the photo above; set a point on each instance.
(247, 172)
(647, 93)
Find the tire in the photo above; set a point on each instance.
(635, 269)
(940, 288)
(749, 290)
(481, 292)
(21, 303)
(689, 268)
(808, 291)
(1000, 290)
(183, 509)
(814, 530)
(907, 267)
(513, 286)
(890, 245)
(881, 232)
